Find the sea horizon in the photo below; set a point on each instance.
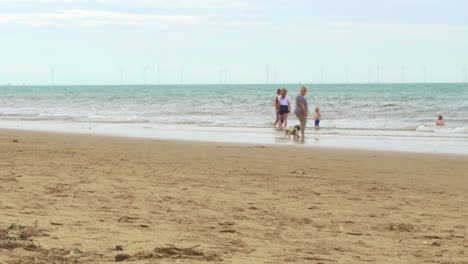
(235, 83)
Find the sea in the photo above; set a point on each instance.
(389, 117)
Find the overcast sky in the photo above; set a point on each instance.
(98, 41)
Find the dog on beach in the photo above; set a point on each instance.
(292, 132)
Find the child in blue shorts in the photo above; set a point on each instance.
(317, 118)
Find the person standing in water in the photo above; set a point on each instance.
(284, 106)
(302, 109)
(318, 117)
(278, 92)
(440, 121)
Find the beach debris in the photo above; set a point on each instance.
(126, 219)
(122, 257)
(227, 223)
(12, 244)
(9, 179)
(56, 223)
(118, 248)
(432, 237)
(157, 196)
(402, 227)
(15, 141)
(56, 188)
(171, 251)
(436, 244)
(298, 172)
(18, 232)
(227, 231)
(18, 236)
(354, 233)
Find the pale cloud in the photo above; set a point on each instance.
(151, 13)
(96, 17)
(400, 27)
(165, 4)
(244, 24)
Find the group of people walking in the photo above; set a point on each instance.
(283, 108)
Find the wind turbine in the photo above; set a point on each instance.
(403, 74)
(322, 73)
(52, 75)
(221, 74)
(274, 74)
(464, 74)
(369, 75)
(225, 74)
(145, 72)
(347, 74)
(181, 76)
(159, 75)
(377, 70)
(425, 74)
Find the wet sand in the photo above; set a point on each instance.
(239, 203)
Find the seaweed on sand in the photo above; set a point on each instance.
(171, 251)
(17, 236)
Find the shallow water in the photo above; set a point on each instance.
(367, 111)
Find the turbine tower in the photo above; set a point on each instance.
(425, 74)
(377, 70)
(52, 75)
(181, 76)
(347, 74)
(464, 74)
(369, 76)
(145, 72)
(159, 75)
(322, 74)
(274, 74)
(225, 74)
(403, 73)
(221, 74)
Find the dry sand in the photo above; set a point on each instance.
(240, 204)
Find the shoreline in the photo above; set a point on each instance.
(252, 136)
(289, 147)
(240, 203)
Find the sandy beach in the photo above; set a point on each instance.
(73, 198)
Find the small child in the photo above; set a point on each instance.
(440, 121)
(317, 118)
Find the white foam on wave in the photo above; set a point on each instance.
(438, 129)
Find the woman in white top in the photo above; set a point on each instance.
(284, 105)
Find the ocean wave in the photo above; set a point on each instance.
(332, 126)
(436, 129)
